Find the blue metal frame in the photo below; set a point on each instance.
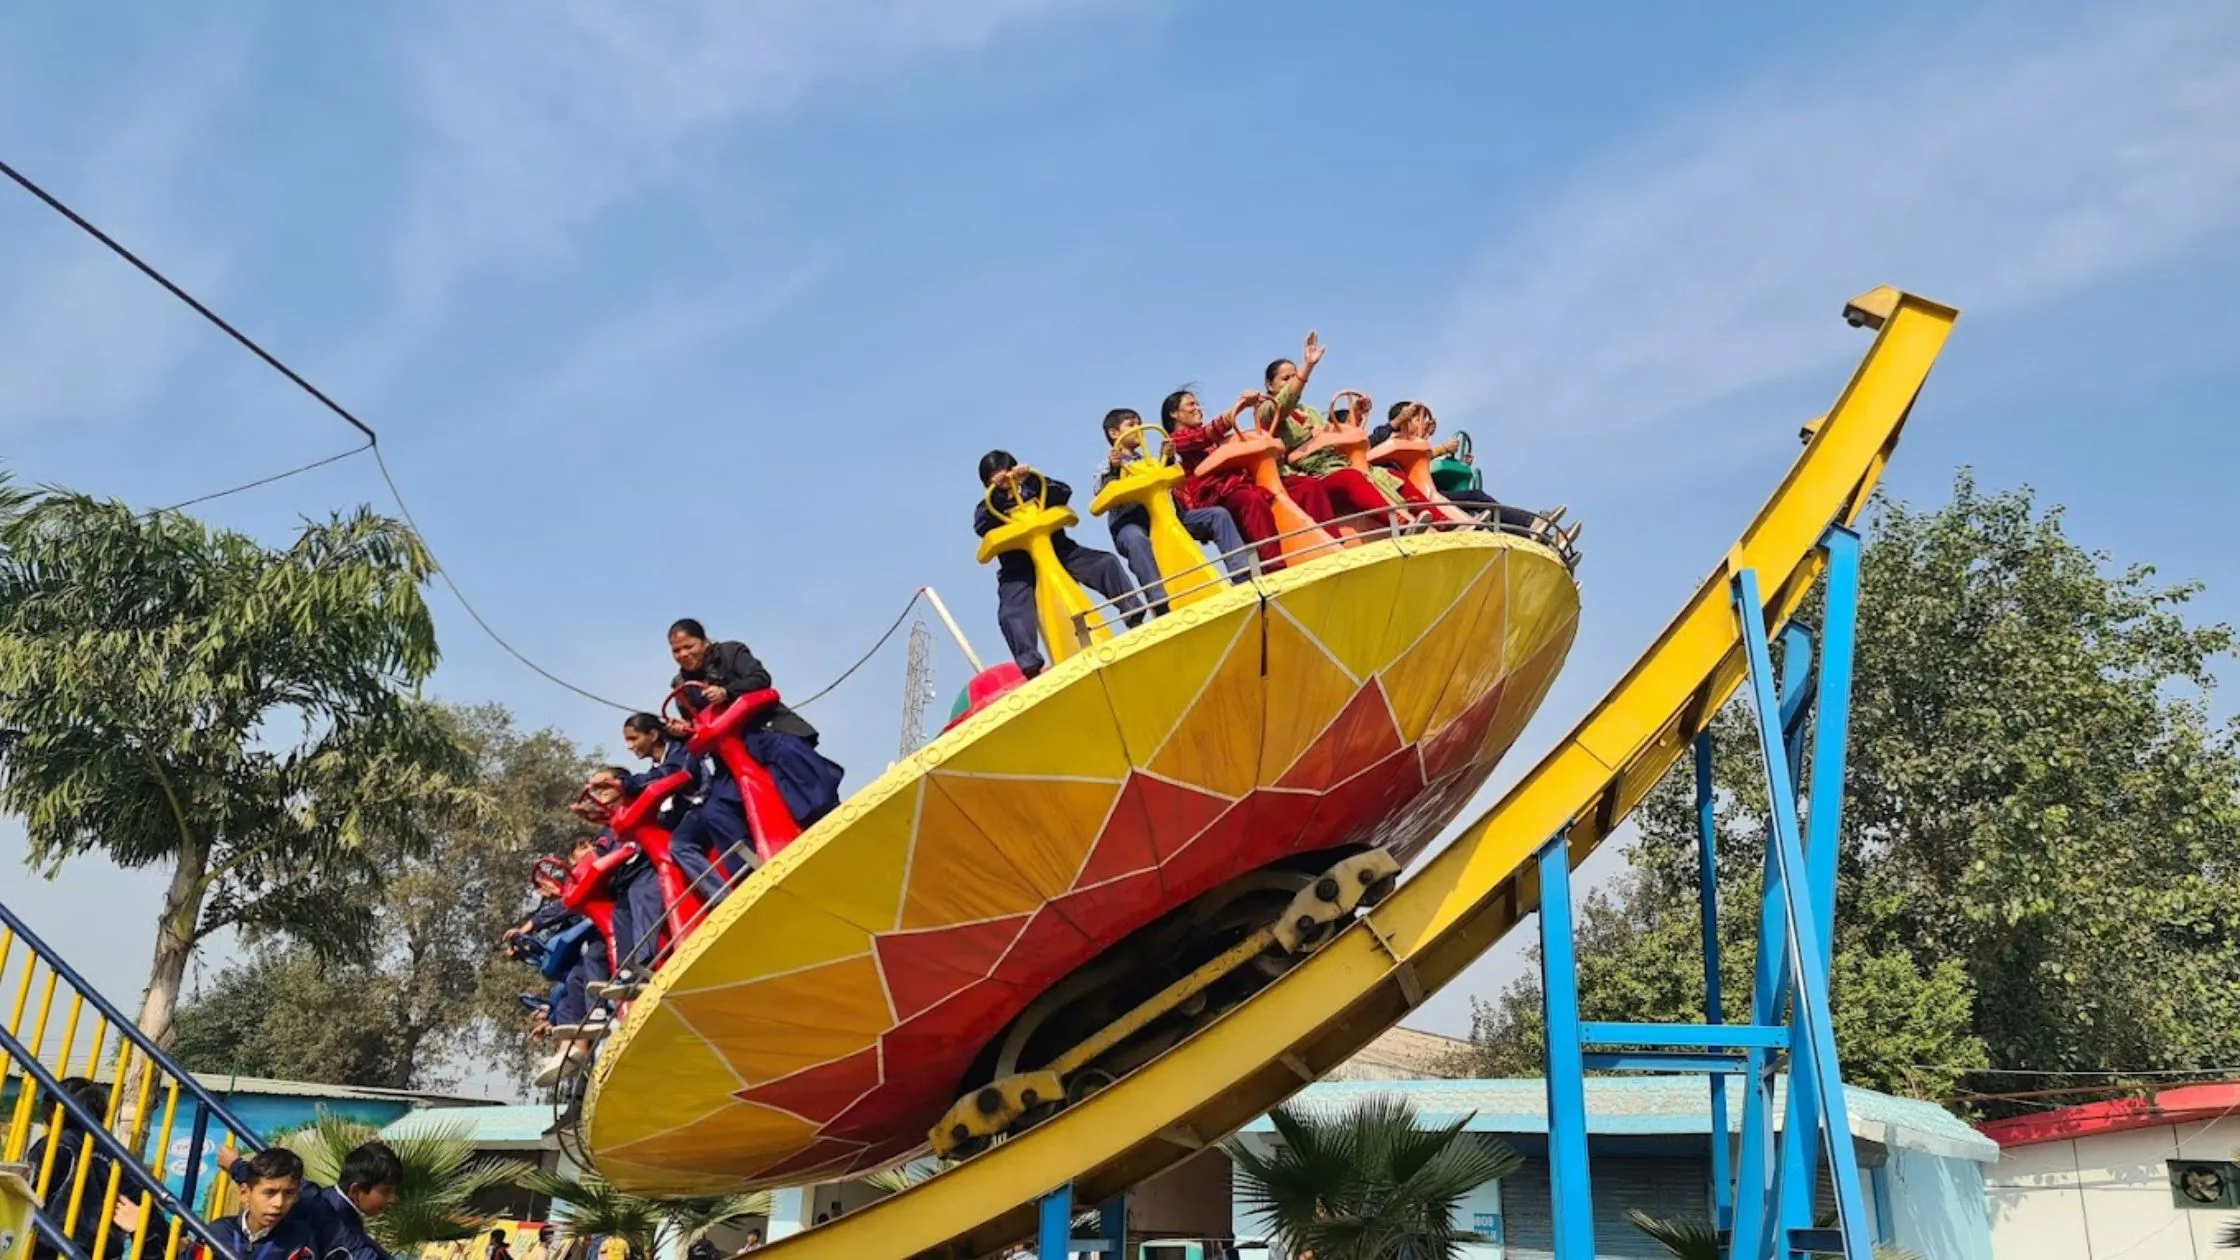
(1054, 1238)
(1054, 1234)
(1570, 1182)
(1765, 1206)
(1714, 1002)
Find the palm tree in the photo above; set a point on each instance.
(596, 1209)
(1693, 1238)
(442, 1178)
(1368, 1182)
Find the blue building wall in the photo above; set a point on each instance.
(266, 1115)
(1937, 1206)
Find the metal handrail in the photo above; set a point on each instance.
(52, 1234)
(130, 1030)
(1385, 522)
(96, 1128)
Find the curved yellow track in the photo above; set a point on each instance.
(1454, 907)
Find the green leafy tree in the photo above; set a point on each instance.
(429, 995)
(442, 1179)
(1366, 1183)
(180, 697)
(2036, 865)
(596, 1209)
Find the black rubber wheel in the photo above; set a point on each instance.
(970, 1147)
(1375, 893)
(1087, 1084)
(1033, 1116)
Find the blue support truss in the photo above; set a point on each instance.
(1762, 1191)
(1054, 1217)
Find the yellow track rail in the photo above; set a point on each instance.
(1455, 907)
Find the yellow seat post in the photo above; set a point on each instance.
(1150, 483)
(1059, 602)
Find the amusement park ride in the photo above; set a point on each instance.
(1117, 911)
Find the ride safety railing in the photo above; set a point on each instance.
(1374, 525)
(123, 1150)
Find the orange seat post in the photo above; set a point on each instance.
(1260, 454)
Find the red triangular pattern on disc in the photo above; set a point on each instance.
(907, 1106)
(922, 968)
(1045, 953)
(1124, 846)
(1207, 860)
(1360, 735)
(821, 1092)
(1173, 813)
(814, 1157)
(1108, 912)
(1355, 809)
(1274, 828)
(1459, 744)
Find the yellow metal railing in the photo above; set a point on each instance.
(122, 1116)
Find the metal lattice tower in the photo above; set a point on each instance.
(917, 688)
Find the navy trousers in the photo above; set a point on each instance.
(638, 913)
(573, 1001)
(707, 844)
(1099, 571)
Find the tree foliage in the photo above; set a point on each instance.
(2037, 853)
(1368, 1182)
(183, 697)
(595, 1209)
(428, 995)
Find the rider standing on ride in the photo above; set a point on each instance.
(780, 739)
(1007, 486)
(1131, 524)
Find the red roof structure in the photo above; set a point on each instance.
(2185, 1105)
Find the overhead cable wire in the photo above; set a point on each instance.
(359, 449)
(865, 659)
(373, 439)
(372, 443)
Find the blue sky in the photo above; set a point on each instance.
(709, 308)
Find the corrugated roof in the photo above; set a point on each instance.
(1649, 1106)
(267, 1086)
(489, 1127)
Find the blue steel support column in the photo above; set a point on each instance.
(1714, 1005)
(1812, 1056)
(1823, 830)
(1569, 1186)
(1112, 1225)
(1054, 1240)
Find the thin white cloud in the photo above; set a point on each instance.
(2001, 169)
(543, 115)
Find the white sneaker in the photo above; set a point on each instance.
(591, 1029)
(568, 1057)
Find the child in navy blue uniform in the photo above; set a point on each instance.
(707, 826)
(268, 1227)
(366, 1186)
(1131, 525)
(1099, 571)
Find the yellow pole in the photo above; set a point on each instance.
(19, 1127)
